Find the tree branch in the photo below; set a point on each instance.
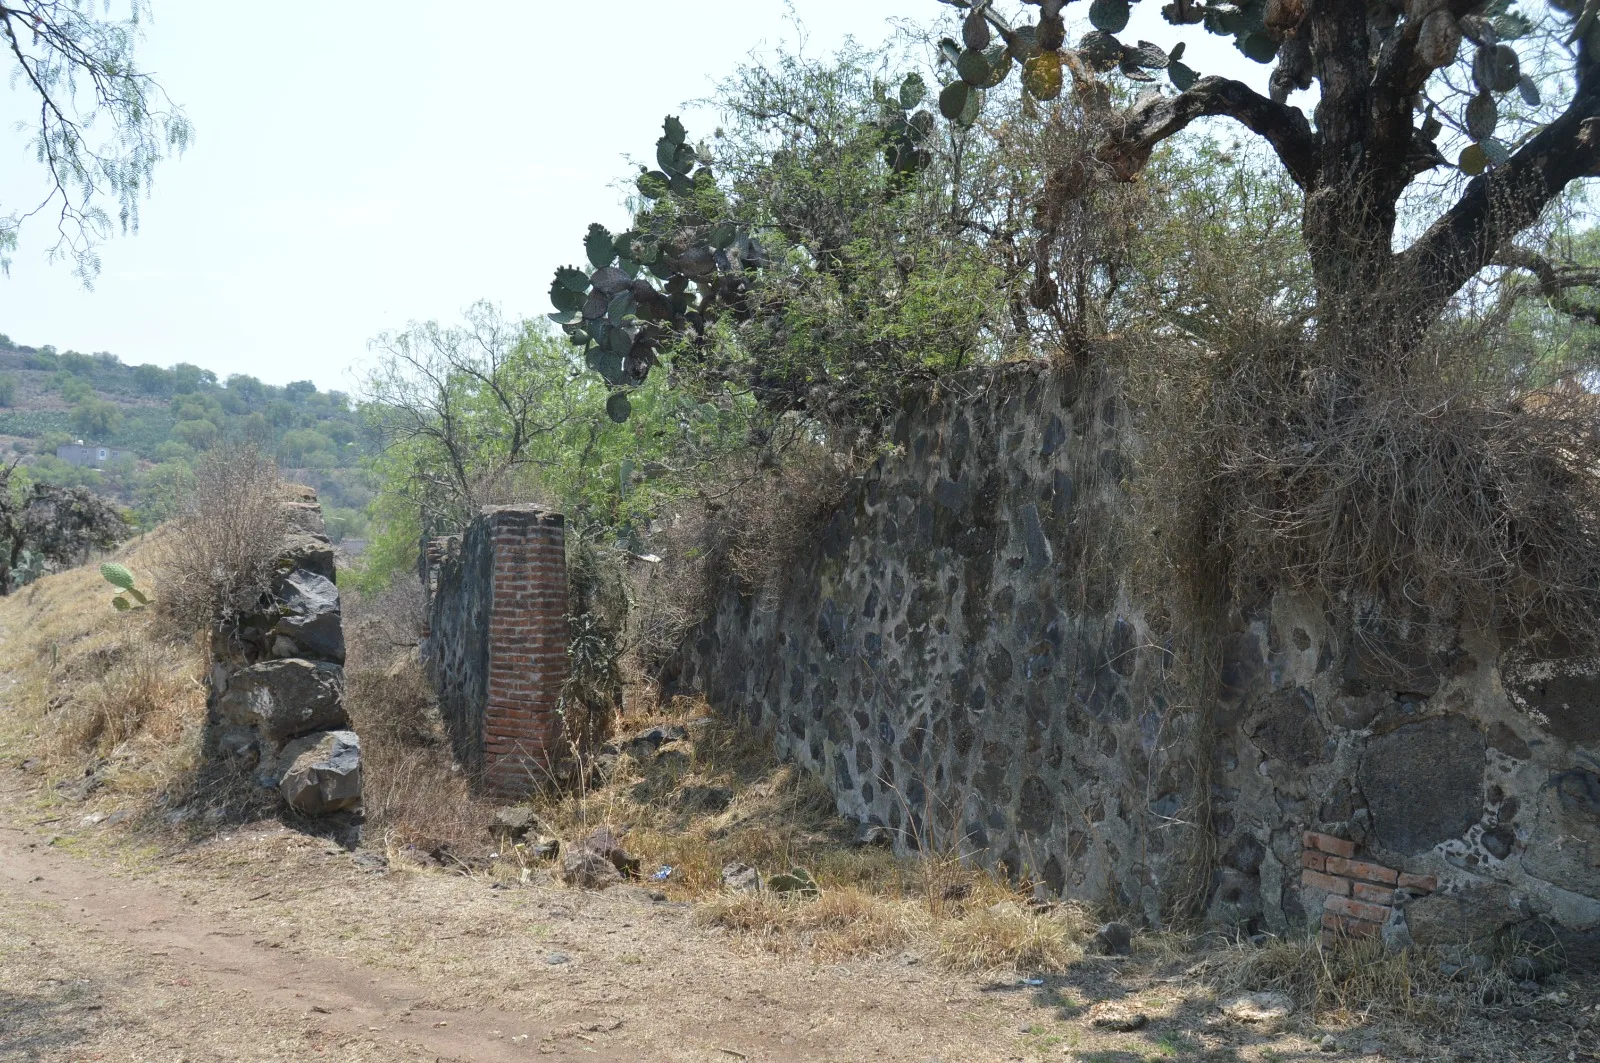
(1554, 281)
(1498, 205)
(1154, 118)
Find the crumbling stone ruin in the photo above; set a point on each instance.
(276, 703)
(497, 641)
(968, 660)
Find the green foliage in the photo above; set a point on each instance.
(1217, 255)
(453, 442)
(197, 432)
(8, 389)
(159, 494)
(813, 255)
(73, 388)
(96, 419)
(152, 379)
(1473, 84)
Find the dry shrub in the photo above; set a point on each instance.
(411, 796)
(220, 558)
(598, 605)
(760, 517)
(778, 815)
(1432, 481)
(1007, 936)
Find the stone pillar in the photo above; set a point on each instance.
(276, 702)
(497, 646)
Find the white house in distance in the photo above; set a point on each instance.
(78, 454)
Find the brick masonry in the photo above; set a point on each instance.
(1360, 895)
(497, 645)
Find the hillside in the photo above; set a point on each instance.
(163, 418)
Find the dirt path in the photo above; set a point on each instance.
(266, 944)
(262, 943)
(163, 955)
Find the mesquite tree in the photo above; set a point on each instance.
(1396, 84)
(99, 124)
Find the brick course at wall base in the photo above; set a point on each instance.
(497, 645)
(1361, 895)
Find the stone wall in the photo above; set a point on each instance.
(497, 645)
(962, 658)
(276, 699)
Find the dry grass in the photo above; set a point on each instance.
(671, 808)
(1352, 982)
(1010, 937)
(844, 923)
(91, 684)
(412, 793)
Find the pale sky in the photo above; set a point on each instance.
(379, 162)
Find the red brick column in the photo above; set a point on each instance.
(528, 636)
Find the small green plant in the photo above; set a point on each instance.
(798, 881)
(130, 596)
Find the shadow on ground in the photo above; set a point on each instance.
(32, 1025)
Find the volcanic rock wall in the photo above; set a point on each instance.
(276, 700)
(961, 657)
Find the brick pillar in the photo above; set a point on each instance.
(528, 636)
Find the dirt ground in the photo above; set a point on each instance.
(264, 943)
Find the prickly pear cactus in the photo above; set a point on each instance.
(1262, 30)
(131, 597)
(687, 260)
(666, 278)
(797, 881)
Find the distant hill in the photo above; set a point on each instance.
(164, 417)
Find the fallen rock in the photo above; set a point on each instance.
(604, 843)
(513, 824)
(1117, 1018)
(588, 870)
(706, 798)
(547, 848)
(1258, 1007)
(873, 836)
(1114, 939)
(674, 758)
(658, 736)
(741, 878)
(324, 773)
(1533, 968)
(603, 767)
(286, 699)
